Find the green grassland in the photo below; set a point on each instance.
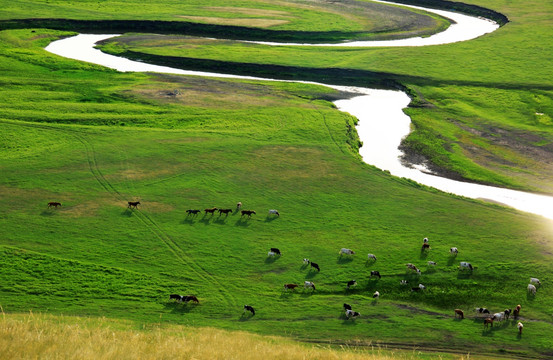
(94, 139)
(482, 109)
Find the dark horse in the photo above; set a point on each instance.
(193, 212)
(133, 204)
(211, 211)
(224, 211)
(247, 212)
(54, 204)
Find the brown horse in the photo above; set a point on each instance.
(54, 204)
(133, 204)
(488, 321)
(247, 212)
(211, 210)
(225, 211)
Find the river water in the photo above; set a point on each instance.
(382, 122)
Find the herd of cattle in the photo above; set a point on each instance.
(463, 265)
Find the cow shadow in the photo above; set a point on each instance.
(270, 218)
(246, 316)
(311, 274)
(451, 260)
(530, 296)
(179, 308)
(344, 260)
(271, 259)
(286, 294)
(463, 275)
(307, 293)
(368, 263)
(423, 255)
(304, 266)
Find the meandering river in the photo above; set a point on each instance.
(382, 122)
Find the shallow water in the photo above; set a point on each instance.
(382, 122)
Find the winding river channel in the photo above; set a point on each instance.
(382, 122)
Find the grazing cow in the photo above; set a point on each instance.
(422, 287)
(210, 210)
(415, 289)
(482, 310)
(271, 253)
(376, 295)
(250, 309)
(346, 251)
(133, 204)
(412, 267)
(425, 240)
(276, 251)
(352, 314)
(520, 326)
(193, 212)
(532, 280)
(54, 204)
(507, 313)
(274, 212)
(371, 257)
(425, 246)
(188, 298)
(225, 211)
(290, 286)
(488, 321)
(460, 313)
(247, 212)
(516, 311)
(465, 265)
(403, 282)
(315, 266)
(309, 284)
(498, 316)
(376, 273)
(347, 307)
(433, 263)
(351, 283)
(306, 261)
(532, 289)
(453, 251)
(238, 206)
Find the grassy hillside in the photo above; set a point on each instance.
(482, 108)
(94, 139)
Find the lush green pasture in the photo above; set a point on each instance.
(487, 103)
(188, 143)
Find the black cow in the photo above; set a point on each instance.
(375, 273)
(250, 309)
(315, 265)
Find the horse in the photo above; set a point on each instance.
(133, 204)
(460, 313)
(247, 212)
(488, 321)
(210, 210)
(225, 211)
(193, 212)
(54, 204)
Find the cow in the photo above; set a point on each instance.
(306, 261)
(412, 267)
(54, 204)
(351, 283)
(432, 263)
(188, 298)
(250, 309)
(403, 282)
(519, 327)
(175, 297)
(193, 212)
(425, 240)
(210, 210)
(225, 211)
(488, 321)
(271, 253)
(247, 212)
(415, 289)
(352, 314)
(460, 313)
(376, 295)
(238, 206)
(347, 307)
(276, 251)
(371, 257)
(309, 284)
(465, 265)
(498, 316)
(274, 212)
(376, 273)
(535, 281)
(454, 251)
(532, 289)
(425, 246)
(422, 287)
(133, 204)
(482, 310)
(507, 313)
(346, 251)
(315, 266)
(290, 286)
(516, 311)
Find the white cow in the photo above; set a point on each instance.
(309, 284)
(371, 257)
(532, 289)
(454, 250)
(306, 261)
(376, 295)
(498, 316)
(274, 212)
(422, 287)
(466, 265)
(520, 326)
(535, 281)
(346, 251)
(271, 253)
(351, 313)
(403, 282)
(433, 263)
(413, 267)
(425, 240)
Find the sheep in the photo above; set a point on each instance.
(433, 263)
(532, 289)
(535, 281)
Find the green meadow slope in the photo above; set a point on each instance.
(94, 139)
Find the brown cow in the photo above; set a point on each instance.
(460, 313)
(290, 286)
(54, 204)
(488, 321)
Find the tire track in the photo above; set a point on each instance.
(144, 218)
